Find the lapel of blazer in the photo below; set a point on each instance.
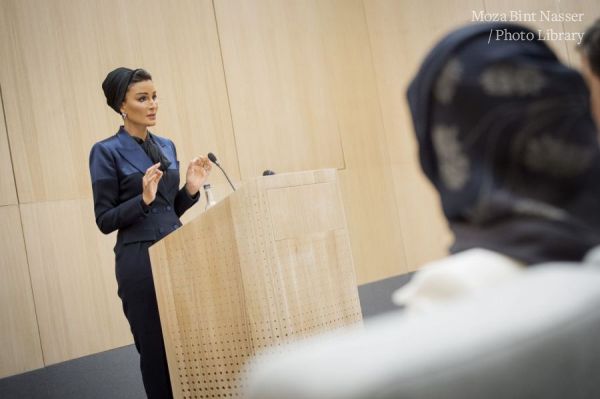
(133, 152)
(135, 155)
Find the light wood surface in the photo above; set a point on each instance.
(427, 234)
(73, 276)
(229, 287)
(290, 205)
(401, 34)
(279, 84)
(519, 10)
(283, 85)
(8, 193)
(55, 55)
(19, 338)
(590, 11)
(373, 221)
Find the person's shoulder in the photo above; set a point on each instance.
(108, 142)
(162, 140)
(105, 145)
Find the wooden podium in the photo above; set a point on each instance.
(267, 265)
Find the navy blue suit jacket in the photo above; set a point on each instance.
(117, 165)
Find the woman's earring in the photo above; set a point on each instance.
(124, 115)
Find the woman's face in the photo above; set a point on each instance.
(141, 103)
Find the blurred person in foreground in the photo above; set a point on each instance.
(590, 65)
(506, 137)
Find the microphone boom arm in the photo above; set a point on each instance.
(227, 177)
(214, 160)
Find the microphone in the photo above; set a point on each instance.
(268, 172)
(213, 159)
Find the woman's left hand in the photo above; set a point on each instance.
(197, 172)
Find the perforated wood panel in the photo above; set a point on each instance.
(227, 289)
(201, 305)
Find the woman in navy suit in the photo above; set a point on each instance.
(135, 182)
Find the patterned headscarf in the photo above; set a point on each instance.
(506, 137)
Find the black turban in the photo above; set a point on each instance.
(115, 86)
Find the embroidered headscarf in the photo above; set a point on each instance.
(506, 137)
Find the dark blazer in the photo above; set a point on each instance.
(117, 165)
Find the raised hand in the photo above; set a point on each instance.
(150, 183)
(197, 172)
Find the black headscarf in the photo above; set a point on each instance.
(506, 137)
(115, 86)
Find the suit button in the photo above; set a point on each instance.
(161, 230)
(175, 226)
(168, 208)
(154, 210)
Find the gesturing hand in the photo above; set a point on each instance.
(150, 183)
(197, 172)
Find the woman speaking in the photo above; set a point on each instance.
(135, 182)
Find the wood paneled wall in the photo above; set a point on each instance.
(8, 192)
(77, 305)
(286, 85)
(19, 336)
(279, 85)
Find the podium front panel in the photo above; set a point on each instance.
(268, 265)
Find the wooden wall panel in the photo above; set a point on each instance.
(279, 84)
(300, 79)
(8, 193)
(591, 12)
(19, 337)
(371, 208)
(401, 34)
(426, 233)
(524, 12)
(55, 55)
(73, 278)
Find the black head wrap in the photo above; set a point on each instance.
(115, 86)
(506, 137)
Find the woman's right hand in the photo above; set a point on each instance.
(150, 183)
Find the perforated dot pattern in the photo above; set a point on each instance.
(228, 290)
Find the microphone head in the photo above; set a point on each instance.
(268, 172)
(212, 158)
